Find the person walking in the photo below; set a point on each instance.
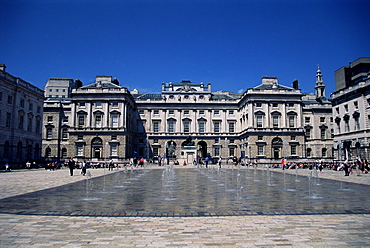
(71, 165)
(219, 161)
(28, 165)
(83, 169)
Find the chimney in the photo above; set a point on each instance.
(2, 67)
(295, 84)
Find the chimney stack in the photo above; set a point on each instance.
(2, 67)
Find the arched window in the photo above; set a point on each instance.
(19, 150)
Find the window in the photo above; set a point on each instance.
(80, 137)
(114, 104)
(156, 126)
(217, 151)
(216, 112)
(186, 126)
(64, 133)
(357, 123)
(171, 112)
(216, 127)
(29, 126)
(113, 150)
(217, 141)
(114, 137)
(10, 99)
(231, 112)
(22, 103)
(38, 125)
(275, 104)
(171, 127)
(355, 104)
(308, 133)
(258, 104)
(259, 120)
(232, 141)
(292, 137)
(322, 133)
(346, 123)
(201, 112)
(30, 106)
(50, 118)
(65, 119)
(293, 150)
(260, 137)
(186, 112)
(49, 133)
(80, 150)
(98, 121)
(201, 127)
(81, 121)
(155, 141)
(114, 120)
(291, 121)
(21, 121)
(1, 96)
(82, 104)
(323, 152)
(346, 107)
(231, 151)
(309, 151)
(156, 112)
(260, 150)
(98, 104)
(155, 151)
(141, 112)
(8, 119)
(307, 119)
(322, 119)
(291, 105)
(275, 121)
(231, 127)
(38, 109)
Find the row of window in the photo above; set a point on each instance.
(274, 104)
(186, 126)
(186, 112)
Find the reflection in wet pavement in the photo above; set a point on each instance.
(194, 192)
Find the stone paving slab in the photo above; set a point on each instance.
(337, 230)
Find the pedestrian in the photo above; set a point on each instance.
(28, 165)
(206, 161)
(159, 160)
(84, 166)
(141, 162)
(71, 165)
(346, 168)
(7, 167)
(111, 165)
(219, 161)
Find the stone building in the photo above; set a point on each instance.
(351, 111)
(20, 120)
(186, 121)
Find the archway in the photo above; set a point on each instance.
(96, 146)
(277, 144)
(202, 149)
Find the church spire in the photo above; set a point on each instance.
(320, 85)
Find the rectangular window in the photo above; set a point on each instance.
(80, 137)
(21, 121)
(156, 126)
(201, 112)
(259, 121)
(30, 107)
(216, 127)
(114, 104)
(141, 112)
(308, 133)
(10, 99)
(98, 104)
(38, 125)
(260, 150)
(81, 121)
(29, 126)
(98, 121)
(217, 151)
(64, 133)
(346, 107)
(291, 121)
(50, 118)
(291, 104)
(171, 127)
(346, 122)
(201, 127)
(155, 151)
(186, 126)
(8, 119)
(322, 119)
(231, 127)
(292, 137)
(114, 137)
(22, 103)
(231, 151)
(259, 104)
(113, 150)
(323, 152)
(231, 112)
(186, 112)
(293, 150)
(216, 112)
(322, 133)
(275, 121)
(114, 120)
(260, 137)
(275, 104)
(355, 104)
(171, 112)
(156, 112)
(357, 123)
(307, 119)
(80, 150)
(49, 133)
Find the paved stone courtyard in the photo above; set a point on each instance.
(282, 230)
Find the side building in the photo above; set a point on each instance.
(351, 111)
(21, 116)
(94, 122)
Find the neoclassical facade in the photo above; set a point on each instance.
(351, 111)
(187, 121)
(20, 120)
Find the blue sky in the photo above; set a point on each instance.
(229, 43)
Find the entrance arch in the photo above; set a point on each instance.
(96, 147)
(202, 149)
(277, 144)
